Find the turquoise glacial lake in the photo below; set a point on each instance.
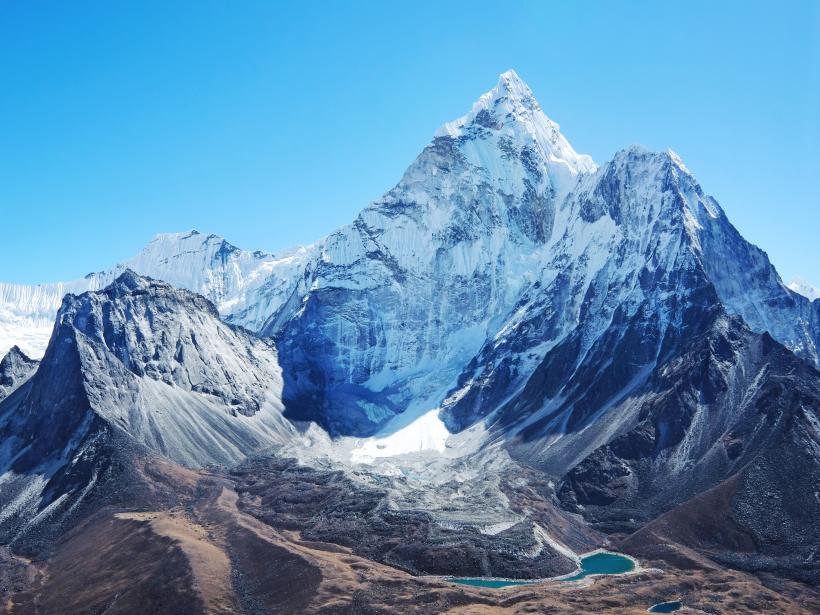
(666, 607)
(597, 563)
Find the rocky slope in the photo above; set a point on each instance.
(15, 369)
(721, 406)
(446, 533)
(138, 369)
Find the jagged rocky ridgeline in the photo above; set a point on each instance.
(607, 324)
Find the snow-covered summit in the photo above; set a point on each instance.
(509, 113)
(805, 288)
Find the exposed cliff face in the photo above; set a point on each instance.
(716, 407)
(728, 441)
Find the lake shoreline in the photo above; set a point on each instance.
(636, 568)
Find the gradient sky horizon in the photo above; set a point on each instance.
(272, 124)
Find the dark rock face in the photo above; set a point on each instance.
(600, 479)
(49, 410)
(702, 415)
(15, 369)
(733, 408)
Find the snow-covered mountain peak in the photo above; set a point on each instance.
(646, 176)
(637, 157)
(640, 154)
(510, 100)
(509, 117)
(512, 88)
(805, 288)
(174, 245)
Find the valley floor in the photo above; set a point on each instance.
(208, 554)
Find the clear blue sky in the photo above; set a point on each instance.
(272, 124)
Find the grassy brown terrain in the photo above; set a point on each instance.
(208, 555)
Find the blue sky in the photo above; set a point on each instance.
(273, 124)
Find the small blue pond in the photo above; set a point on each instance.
(597, 563)
(666, 607)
